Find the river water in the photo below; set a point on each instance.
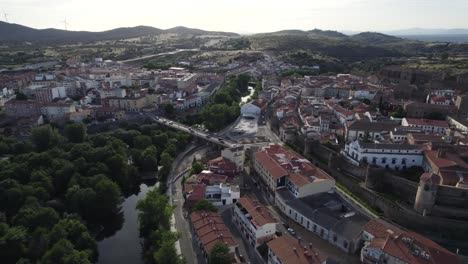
(125, 245)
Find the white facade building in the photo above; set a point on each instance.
(426, 125)
(394, 156)
(222, 194)
(254, 221)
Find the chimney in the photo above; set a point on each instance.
(310, 246)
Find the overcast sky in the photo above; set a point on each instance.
(242, 16)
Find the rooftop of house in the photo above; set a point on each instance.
(411, 247)
(329, 211)
(426, 122)
(222, 163)
(259, 213)
(373, 126)
(211, 230)
(289, 250)
(379, 228)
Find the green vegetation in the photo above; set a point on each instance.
(225, 106)
(155, 225)
(219, 255)
(204, 205)
(58, 191)
(399, 113)
(157, 66)
(359, 200)
(197, 167)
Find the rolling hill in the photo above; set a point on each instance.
(18, 33)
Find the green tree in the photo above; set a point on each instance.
(12, 243)
(75, 133)
(169, 110)
(45, 137)
(197, 167)
(108, 196)
(155, 212)
(219, 255)
(21, 96)
(142, 142)
(204, 205)
(444, 56)
(167, 253)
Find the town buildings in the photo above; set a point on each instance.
(254, 220)
(209, 230)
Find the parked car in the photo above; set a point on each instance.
(291, 231)
(278, 233)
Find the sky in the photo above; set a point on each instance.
(241, 16)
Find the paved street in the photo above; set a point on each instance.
(183, 162)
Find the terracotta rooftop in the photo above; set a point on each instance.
(259, 213)
(289, 251)
(380, 228)
(412, 248)
(270, 164)
(211, 230)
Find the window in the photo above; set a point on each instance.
(393, 161)
(374, 160)
(384, 160)
(345, 244)
(403, 161)
(315, 228)
(334, 238)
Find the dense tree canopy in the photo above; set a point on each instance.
(219, 255)
(54, 189)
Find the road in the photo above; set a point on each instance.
(219, 140)
(156, 55)
(180, 165)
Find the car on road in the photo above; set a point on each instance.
(292, 232)
(278, 233)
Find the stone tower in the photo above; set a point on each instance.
(427, 193)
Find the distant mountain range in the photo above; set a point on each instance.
(14, 33)
(427, 31)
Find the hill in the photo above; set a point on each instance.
(18, 33)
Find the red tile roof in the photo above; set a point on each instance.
(211, 230)
(259, 213)
(289, 251)
(270, 164)
(380, 228)
(404, 247)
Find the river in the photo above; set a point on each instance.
(125, 245)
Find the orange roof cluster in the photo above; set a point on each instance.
(280, 161)
(406, 246)
(290, 251)
(211, 230)
(259, 213)
(411, 247)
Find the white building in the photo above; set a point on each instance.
(254, 221)
(57, 111)
(222, 194)
(426, 125)
(394, 156)
(236, 155)
(302, 184)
